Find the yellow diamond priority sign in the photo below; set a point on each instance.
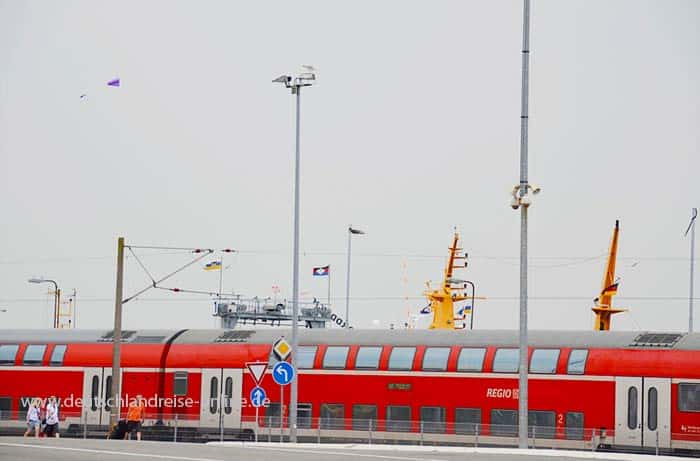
(282, 349)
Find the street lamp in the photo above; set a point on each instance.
(351, 231)
(56, 296)
(691, 229)
(305, 78)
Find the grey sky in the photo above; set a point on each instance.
(413, 128)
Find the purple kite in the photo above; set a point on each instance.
(114, 82)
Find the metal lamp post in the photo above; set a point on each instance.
(521, 199)
(305, 78)
(691, 229)
(351, 231)
(56, 297)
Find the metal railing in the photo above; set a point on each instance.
(190, 428)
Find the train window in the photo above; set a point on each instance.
(368, 357)
(214, 395)
(544, 361)
(364, 417)
(228, 395)
(57, 355)
(651, 413)
(94, 393)
(108, 393)
(688, 397)
(305, 356)
(34, 354)
(332, 415)
(336, 357)
(8, 352)
(577, 362)
(5, 408)
(574, 425)
(398, 419)
(541, 424)
(504, 422)
(304, 415)
(401, 358)
(272, 415)
(506, 361)
(435, 358)
(632, 408)
(180, 383)
(467, 420)
(432, 419)
(471, 359)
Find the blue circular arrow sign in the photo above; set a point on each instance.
(257, 397)
(283, 373)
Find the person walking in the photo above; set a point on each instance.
(134, 417)
(33, 418)
(51, 429)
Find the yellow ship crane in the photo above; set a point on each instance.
(603, 308)
(452, 290)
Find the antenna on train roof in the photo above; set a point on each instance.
(603, 308)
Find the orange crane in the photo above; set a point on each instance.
(451, 291)
(603, 308)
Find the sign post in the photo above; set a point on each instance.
(257, 395)
(283, 374)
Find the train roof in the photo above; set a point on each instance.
(475, 338)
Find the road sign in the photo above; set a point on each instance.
(257, 397)
(257, 371)
(283, 373)
(282, 349)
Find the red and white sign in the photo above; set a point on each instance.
(257, 371)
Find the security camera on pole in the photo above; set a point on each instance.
(521, 199)
(304, 78)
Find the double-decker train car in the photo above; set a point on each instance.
(626, 390)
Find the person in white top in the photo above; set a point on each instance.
(33, 420)
(51, 429)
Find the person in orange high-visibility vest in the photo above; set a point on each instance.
(134, 417)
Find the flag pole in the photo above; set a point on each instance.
(329, 287)
(221, 278)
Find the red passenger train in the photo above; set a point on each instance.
(619, 389)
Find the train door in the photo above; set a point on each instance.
(221, 397)
(657, 412)
(97, 388)
(642, 410)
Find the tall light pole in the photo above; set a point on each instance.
(56, 296)
(521, 199)
(305, 78)
(351, 231)
(691, 229)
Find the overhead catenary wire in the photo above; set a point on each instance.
(155, 283)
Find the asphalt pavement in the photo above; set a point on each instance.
(43, 449)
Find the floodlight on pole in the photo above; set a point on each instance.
(56, 296)
(351, 232)
(521, 200)
(295, 84)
